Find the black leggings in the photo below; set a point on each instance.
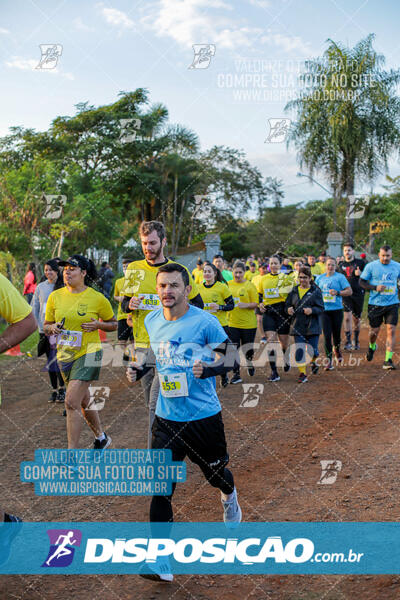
(240, 337)
(331, 325)
(161, 506)
(54, 372)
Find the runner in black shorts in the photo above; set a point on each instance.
(188, 413)
(353, 305)
(381, 278)
(273, 290)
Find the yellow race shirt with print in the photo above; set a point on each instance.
(321, 266)
(117, 292)
(13, 307)
(275, 288)
(250, 276)
(140, 280)
(197, 275)
(243, 318)
(316, 270)
(218, 293)
(77, 309)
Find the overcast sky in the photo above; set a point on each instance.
(257, 48)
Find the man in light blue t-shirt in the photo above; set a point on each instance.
(380, 277)
(186, 341)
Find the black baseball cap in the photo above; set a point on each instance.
(76, 260)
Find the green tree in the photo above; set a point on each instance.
(348, 117)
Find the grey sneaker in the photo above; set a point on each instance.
(232, 511)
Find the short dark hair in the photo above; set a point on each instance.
(175, 268)
(217, 256)
(385, 247)
(305, 271)
(349, 244)
(147, 227)
(277, 257)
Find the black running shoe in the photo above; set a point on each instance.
(251, 370)
(224, 381)
(236, 379)
(64, 413)
(103, 444)
(356, 346)
(329, 366)
(348, 346)
(370, 354)
(302, 378)
(274, 377)
(314, 368)
(53, 397)
(286, 367)
(61, 395)
(388, 365)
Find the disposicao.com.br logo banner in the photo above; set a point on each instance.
(203, 548)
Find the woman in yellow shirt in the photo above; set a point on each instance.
(242, 319)
(73, 314)
(273, 289)
(217, 299)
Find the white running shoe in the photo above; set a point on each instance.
(160, 571)
(232, 511)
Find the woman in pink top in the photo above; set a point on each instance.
(30, 282)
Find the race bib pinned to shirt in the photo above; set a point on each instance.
(389, 290)
(174, 385)
(271, 293)
(328, 298)
(71, 339)
(149, 302)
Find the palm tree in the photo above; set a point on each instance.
(348, 118)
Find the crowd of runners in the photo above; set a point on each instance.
(180, 332)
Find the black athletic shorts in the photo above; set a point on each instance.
(202, 441)
(353, 304)
(276, 319)
(379, 314)
(124, 331)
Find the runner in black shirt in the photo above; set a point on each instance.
(352, 268)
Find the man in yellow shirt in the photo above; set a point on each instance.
(252, 259)
(315, 269)
(197, 273)
(17, 312)
(140, 297)
(251, 273)
(321, 262)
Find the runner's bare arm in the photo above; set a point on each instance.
(93, 324)
(366, 285)
(17, 332)
(227, 360)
